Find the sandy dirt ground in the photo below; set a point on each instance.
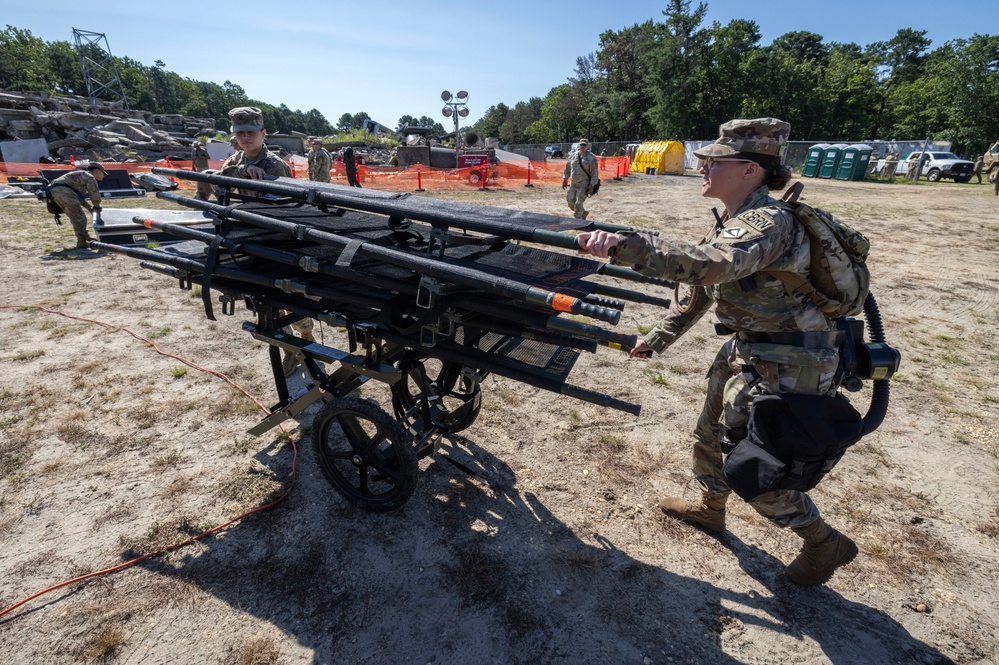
(112, 446)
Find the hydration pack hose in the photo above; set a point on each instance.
(879, 399)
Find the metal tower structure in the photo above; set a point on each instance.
(99, 69)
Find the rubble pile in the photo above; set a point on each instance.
(105, 131)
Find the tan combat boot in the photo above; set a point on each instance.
(289, 363)
(708, 511)
(82, 241)
(825, 550)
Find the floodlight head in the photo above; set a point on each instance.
(447, 111)
(446, 96)
(463, 112)
(462, 95)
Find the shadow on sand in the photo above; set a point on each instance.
(358, 587)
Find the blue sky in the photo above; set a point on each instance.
(393, 58)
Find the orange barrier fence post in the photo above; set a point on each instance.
(72, 161)
(617, 175)
(528, 174)
(419, 177)
(627, 166)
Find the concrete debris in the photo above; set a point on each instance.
(105, 131)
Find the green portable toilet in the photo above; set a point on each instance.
(853, 162)
(813, 160)
(830, 160)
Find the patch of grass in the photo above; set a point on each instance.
(162, 332)
(656, 377)
(104, 645)
(28, 354)
(253, 486)
(177, 372)
(161, 535)
(581, 558)
(478, 576)
(612, 443)
(258, 651)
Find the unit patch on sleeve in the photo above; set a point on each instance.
(756, 219)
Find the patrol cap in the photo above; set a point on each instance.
(760, 136)
(584, 142)
(246, 119)
(94, 166)
(315, 139)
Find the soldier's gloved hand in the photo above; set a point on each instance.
(565, 184)
(589, 190)
(98, 210)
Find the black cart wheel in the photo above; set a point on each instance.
(456, 399)
(365, 454)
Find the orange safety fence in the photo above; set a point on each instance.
(412, 178)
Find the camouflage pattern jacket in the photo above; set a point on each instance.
(81, 182)
(724, 269)
(320, 163)
(199, 157)
(574, 169)
(236, 165)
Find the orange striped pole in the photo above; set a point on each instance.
(419, 177)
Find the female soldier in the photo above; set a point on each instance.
(782, 342)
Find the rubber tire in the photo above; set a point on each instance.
(403, 400)
(933, 175)
(342, 435)
(963, 179)
(474, 178)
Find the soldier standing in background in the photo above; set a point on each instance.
(254, 161)
(70, 192)
(350, 166)
(199, 162)
(891, 163)
(778, 342)
(320, 161)
(580, 176)
(978, 168)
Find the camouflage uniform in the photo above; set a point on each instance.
(725, 269)
(70, 193)
(576, 168)
(199, 161)
(891, 163)
(235, 167)
(978, 168)
(320, 163)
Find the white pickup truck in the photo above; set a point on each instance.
(939, 165)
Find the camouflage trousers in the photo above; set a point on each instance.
(575, 196)
(782, 369)
(69, 201)
(205, 191)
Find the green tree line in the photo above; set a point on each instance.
(679, 79)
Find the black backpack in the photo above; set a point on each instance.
(44, 194)
(793, 441)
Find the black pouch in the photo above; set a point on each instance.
(791, 443)
(596, 188)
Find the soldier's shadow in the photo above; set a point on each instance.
(473, 570)
(70, 254)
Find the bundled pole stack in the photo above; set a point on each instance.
(436, 294)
